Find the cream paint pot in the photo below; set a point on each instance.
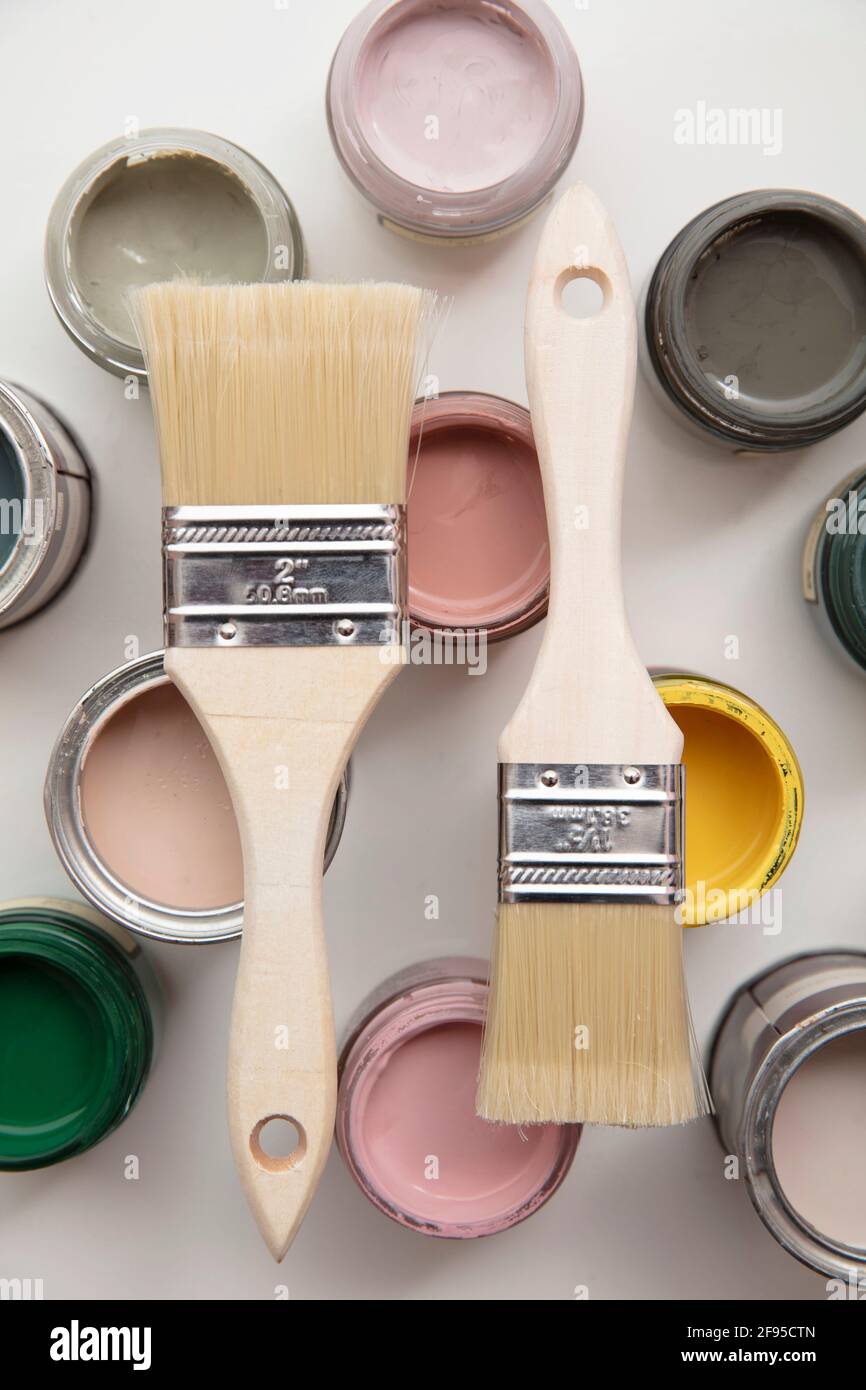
(140, 815)
(406, 1122)
(744, 796)
(44, 505)
(755, 320)
(788, 1077)
(455, 118)
(834, 567)
(159, 205)
(478, 549)
(79, 1016)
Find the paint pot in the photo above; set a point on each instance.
(455, 118)
(755, 320)
(79, 1006)
(44, 505)
(478, 550)
(163, 204)
(834, 566)
(744, 796)
(787, 1076)
(140, 814)
(406, 1122)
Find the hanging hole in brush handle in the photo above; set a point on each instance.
(589, 697)
(583, 291)
(278, 1142)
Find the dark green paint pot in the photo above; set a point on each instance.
(76, 1031)
(834, 565)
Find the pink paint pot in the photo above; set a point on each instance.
(455, 118)
(406, 1122)
(479, 558)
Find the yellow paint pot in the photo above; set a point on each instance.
(744, 796)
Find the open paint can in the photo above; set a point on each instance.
(155, 206)
(140, 814)
(834, 567)
(479, 560)
(455, 118)
(44, 505)
(79, 1008)
(755, 320)
(406, 1122)
(744, 796)
(788, 1077)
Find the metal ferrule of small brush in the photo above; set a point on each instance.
(596, 832)
(287, 576)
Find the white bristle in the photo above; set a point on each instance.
(588, 1019)
(281, 394)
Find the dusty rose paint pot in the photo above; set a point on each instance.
(140, 814)
(478, 551)
(406, 1121)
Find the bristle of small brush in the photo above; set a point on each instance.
(295, 393)
(588, 1020)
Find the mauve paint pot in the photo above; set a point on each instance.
(140, 814)
(406, 1122)
(455, 118)
(755, 320)
(478, 549)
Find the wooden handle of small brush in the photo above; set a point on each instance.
(589, 698)
(282, 757)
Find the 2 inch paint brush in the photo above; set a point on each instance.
(283, 419)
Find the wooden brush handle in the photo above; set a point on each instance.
(282, 722)
(589, 699)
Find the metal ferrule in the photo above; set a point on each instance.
(306, 576)
(597, 832)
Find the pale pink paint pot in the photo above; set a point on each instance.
(478, 550)
(406, 1122)
(455, 118)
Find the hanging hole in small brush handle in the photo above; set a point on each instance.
(278, 1143)
(583, 291)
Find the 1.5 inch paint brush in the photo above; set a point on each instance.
(283, 420)
(589, 1018)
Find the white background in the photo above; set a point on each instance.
(712, 548)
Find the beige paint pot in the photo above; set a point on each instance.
(140, 814)
(786, 1073)
(744, 796)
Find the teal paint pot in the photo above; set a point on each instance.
(834, 566)
(78, 1011)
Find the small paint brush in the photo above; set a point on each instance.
(283, 419)
(588, 1018)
